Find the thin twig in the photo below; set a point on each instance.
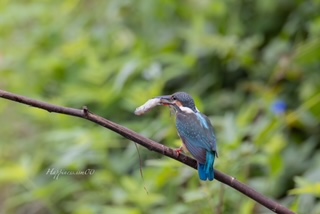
(149, 144)
(140, 161)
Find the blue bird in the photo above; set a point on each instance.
(195, 130)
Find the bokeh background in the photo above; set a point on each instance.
(252, 66)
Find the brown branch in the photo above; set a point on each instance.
(149, 144)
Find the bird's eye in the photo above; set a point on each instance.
(173, 98)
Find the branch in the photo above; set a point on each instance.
(149, 144)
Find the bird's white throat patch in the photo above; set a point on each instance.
(186, 109)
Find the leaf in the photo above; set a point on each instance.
(13, 173)
(306, 188)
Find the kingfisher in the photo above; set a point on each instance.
(195, 131)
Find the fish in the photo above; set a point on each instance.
(147, 106)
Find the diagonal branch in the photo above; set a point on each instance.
(149, 144)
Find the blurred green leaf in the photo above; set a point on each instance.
(305, 188)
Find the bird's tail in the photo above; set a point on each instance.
(205, 170)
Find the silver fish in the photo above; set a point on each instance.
(147, 106)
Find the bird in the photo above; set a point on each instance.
(195, 131)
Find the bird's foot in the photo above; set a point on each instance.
(179, 150)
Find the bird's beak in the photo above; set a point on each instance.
(166, 100)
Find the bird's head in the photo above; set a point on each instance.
(181, 101)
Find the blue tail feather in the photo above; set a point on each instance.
(206, 171)
(202, 172)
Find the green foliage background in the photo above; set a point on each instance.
(237, 58)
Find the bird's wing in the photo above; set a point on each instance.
(196, 131)
(197, 152)
(210, 133)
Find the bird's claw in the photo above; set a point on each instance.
(179, 151)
